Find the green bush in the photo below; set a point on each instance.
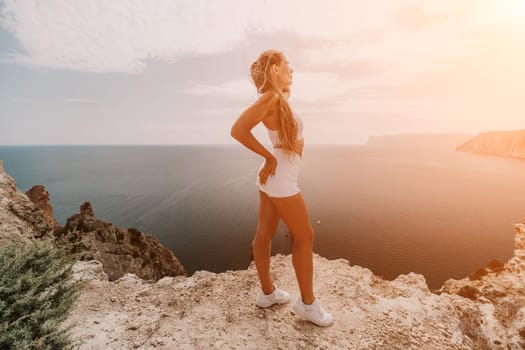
(36, 293)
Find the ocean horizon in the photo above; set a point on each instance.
(394, 210)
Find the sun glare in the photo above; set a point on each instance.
(511, 9)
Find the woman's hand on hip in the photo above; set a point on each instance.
(268, 169)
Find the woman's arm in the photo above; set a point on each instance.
(253, 115)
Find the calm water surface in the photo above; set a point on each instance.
(433, 211)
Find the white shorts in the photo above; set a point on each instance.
(284, 182)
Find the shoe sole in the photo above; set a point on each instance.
(298, 313)
(276, 303)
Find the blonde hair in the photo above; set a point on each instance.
(262, 79)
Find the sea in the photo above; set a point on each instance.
(392, 207)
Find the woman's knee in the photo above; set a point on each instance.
(263, 235)
(305, 235)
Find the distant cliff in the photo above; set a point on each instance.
(498, 143)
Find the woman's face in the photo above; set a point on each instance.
(283, 73)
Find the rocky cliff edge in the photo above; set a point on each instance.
(217, 311)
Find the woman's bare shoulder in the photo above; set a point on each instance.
(269, 99)
(260, 110)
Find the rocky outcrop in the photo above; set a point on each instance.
(119, 250)
(29, 216)
(498, 143)
(217, 311)
(40, 197)
(20, 219)
(499, 296)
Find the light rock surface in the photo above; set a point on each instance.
(217, 311)
(88, 271)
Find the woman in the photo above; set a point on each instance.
(280, 197)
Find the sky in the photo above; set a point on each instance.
(177, 72)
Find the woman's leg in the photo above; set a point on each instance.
(295, 215)
(262, 243)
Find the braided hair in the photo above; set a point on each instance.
(262, 79)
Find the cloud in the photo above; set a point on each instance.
(412, 17)
(77, 100)
(400, 56)
(25, 100)
(234, 89)
(308, 87)
(222, 111)
(423, 60)
(314, 87)
(119, 36)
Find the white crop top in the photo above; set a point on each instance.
(274, 134)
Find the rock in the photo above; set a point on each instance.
(165, 281)
(479, 273)
(89, 271)
(130, 279)
(119, 250)
(499, 143)
(468, 292)
(496, 266)
(20, 218)
(40, 197)
(26, 217)
(499, 311)
(207, 310)
(86, 209)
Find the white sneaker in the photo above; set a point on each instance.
(313, 312)
(278, 296)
